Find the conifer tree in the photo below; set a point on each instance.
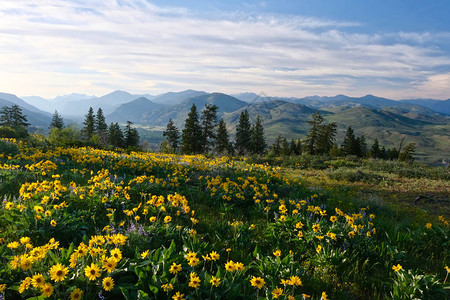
(131, 135)
(209, 123)
(407, 153)
(17, 122)
(276, 146)
(89, 124)
(350, 145)
(223, 144)
(284, 150)
(311, 143)
(100, 125)
(243, 134)
(326, 138)
(258, 139)
(375, 151)
(293, 149)
(191, 136)
(172, 135)
(57, 121)
(115, 135)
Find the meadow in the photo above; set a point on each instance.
(84, 223)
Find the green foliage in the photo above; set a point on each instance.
(57, 121)
(191, 136)
(243, 134)
(172, 135)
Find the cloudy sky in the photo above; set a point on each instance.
(391, 48)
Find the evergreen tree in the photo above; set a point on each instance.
(89, 124)
(172, 135)
(335, 151)
(360, 146)
(101, 126)
(311, 143)
(223, 144)
(284, 150)
(209, 123)
(191, 136)
(350, 145)
(326, 138)
(375, 151)
(115, 135)
(13, 117)
(276, 146)
(131, 136)
(392, 153)
(258, 139)
(57, 121)
(407, 153)
(293, 149)
(243, 134)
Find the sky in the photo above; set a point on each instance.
(389, 48)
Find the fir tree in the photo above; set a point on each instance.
(293, 149)
(243, 134)
(407, 153)
(115, 135)
(209, 123)
(131, 136)
(191, 136)
(223, 144)
(57, 121)
(258, 139)
(172, 135)
(89, 124)
(276, 146)
(284, 150)
(13, 117)
(101, 126)
(311, 143)
(349, 145)
(375, 151)
(326, 138)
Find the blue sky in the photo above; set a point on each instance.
(395, 49)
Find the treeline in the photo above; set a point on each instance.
(321, 140)
(95, 132)
(203, 133)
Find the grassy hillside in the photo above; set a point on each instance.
(151, 226)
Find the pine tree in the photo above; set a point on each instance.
(57, 121)
(131, 136)
(407, 153)
(6, 117)
(311, 143)
(293, 149)
(326, 138)
(89, 124)
(115, 135)
(258, 139)
(375, 151)
(243, 134)
(276, 146)
(191, 136)
(101, 126)
(13, 117)
(349, 145)
(209, 123)
(223, 144)
(172, 135)
(284, 150)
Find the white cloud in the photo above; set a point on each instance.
(92, 47)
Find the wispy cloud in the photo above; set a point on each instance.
(95, 46)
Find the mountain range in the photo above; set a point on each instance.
(423, 121)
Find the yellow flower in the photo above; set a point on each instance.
(277, 253)
(174, 268)
(214, 255)
(108, 284)
(295, 280)
(178, 296)
(447, 269)
(319, 248)
(26, 262)
(316, 227)
(145, 253)
(167, 219)
(25, 285)
(53, 223)
(300, 234)
(428, 225)
(117, 254)
(58, 272)
(76, 294)
(194, 280)
(167, 287)
(9, 205)
(37, 280)
(215, 281)
(397, 268)
(257, 282)
(47, 290)
(333, 219)
(324, 296)
(229, 266)
(277, 292)
(13, 245)
(238, 266)
(109, 264)
(193, 261)
(92, 272)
